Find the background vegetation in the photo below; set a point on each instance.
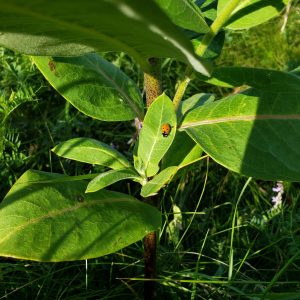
(200, 246)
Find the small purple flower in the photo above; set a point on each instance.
(138, 124)
(277, 199)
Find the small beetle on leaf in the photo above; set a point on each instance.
(166, 129)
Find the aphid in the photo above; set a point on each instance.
(166, 129)
(52, 67)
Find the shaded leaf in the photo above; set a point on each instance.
(192, 103)
(92, 152)
(58, 222)
(152, 144)
(208, 8)
(66, 28)
(94, 86)
(158, 181)
(184, 13)
(250, 13)
(182, 152)
(255, 134)
(264, 79)
(105, 179)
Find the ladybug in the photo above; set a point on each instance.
(165, 129)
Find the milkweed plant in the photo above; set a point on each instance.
(53, 217)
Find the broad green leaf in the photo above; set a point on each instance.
(182, 152)
(92, 152)
(58, 222)
(94, 86)
(192, 103)
(264, 79)
(105, 179)
(256, 134)
(158, 181)
(184, 13)
(71, 28)
(250, 13)
(152, 144)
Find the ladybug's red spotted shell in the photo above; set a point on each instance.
(166, 129)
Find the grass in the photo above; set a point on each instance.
(221, 236)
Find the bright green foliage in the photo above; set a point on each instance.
(158, 181)
(250, 13)
(50, 217)
(152, 144)
(55, 222)
(184, 13)
(94, 86)
(93, 152)
(64, 28)
(267, 80)
(255, 134)
(107, 178)
(182, 152)
(192, 103)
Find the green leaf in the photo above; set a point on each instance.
(152, 144)
(58, 222)
(182, 152)
(192, 103)
(161, 179)
(214, 48)
(175, 225)
(208, 8)
(256, 134)
(94, 86)
(264, 79)
(250, 13)
(92, 152)
(69, 28)
(105, 179)
(184, 13)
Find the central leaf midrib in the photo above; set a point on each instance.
(245, 118)
(116, 157)
(61, 212)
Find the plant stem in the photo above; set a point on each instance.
(152, 81)
(215, 27)
(152, 84)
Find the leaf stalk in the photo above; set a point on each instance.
(215, 27)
